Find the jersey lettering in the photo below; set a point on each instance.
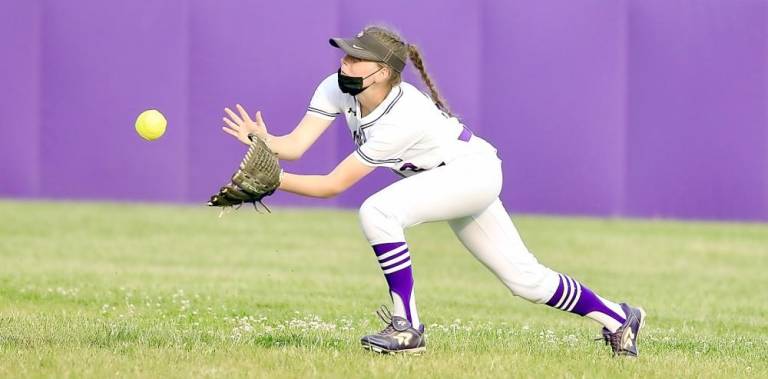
(359, 137)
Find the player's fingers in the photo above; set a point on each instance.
(230, 123)
(259, 120)
(230, 132)
(243, 113)
(234, 117)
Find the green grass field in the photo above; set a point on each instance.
(120, 290)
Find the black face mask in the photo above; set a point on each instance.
(353, 85)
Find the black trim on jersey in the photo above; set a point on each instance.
(389, 108)
(377, 161)
(322, 112)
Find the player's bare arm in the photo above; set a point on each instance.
(287, 147)
(344, 176)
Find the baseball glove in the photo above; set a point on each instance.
(257, 178)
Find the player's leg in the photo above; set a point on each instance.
(492, 237)
(452, 191)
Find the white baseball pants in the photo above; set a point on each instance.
(464, 192)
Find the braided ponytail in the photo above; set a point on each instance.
(418, 63)
(408, 51)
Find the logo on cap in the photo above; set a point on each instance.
(357, 47)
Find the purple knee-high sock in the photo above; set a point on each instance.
(395, 262)
(572, 296)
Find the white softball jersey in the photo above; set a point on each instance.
(406, 132)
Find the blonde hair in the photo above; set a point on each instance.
(406, 51)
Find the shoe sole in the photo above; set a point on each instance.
(381, 350)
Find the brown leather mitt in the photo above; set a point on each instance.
(257, 177)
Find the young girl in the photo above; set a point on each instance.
(448, 173)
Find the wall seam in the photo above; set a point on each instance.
(185, 113)
(625, 123)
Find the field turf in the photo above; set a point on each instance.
(140, 290)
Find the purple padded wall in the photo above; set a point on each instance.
(698, 109)
(103, 63)
(554, 102)
(627, 107)
(20, 89)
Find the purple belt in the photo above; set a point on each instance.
(465, 135)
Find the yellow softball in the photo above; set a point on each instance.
(151, 124)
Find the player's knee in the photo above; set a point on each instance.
(536, 286)
(377, 218)
(532, 294)
(372, 211)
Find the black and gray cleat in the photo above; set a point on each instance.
(398, 337)
(624, 340)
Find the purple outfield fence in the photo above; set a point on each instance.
(597, 107)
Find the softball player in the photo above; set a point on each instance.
(448, 173)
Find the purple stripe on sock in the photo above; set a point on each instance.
(391, 258)
(568, 290)
(589, 302)
(401, 283)
(585, 300)
(384, 248)
(558, 293)
(574, 289)
(394, 264)
(577, 291)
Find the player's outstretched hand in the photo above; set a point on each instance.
(240, 126)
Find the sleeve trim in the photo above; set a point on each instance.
(376, 161)
(322, 112)
(363, 161)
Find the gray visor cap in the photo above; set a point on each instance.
(367, 47)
